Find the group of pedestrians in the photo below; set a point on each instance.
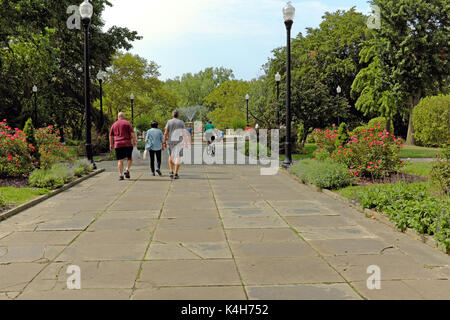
(175, 138)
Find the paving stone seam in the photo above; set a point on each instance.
(300, 236)
(195, 253)
(226, 236)
(152, 234)
(68, 245)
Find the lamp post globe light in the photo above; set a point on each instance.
(86, 12)
(132, 109)
(247, 97)
(288, 15)
(278, 79)
(100, 77)
(339, 90)
(35, 89)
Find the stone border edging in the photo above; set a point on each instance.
(8, 214)
(369, 213)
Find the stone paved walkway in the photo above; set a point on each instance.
(220, 232)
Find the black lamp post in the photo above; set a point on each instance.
(86, 11)
(35, 104)
(247, 97)
(288, 14)
(101, 77)
(278, 79)
(339, 90)
(132, 109)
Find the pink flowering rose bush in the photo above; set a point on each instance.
(375, 153)
(15, 158)
(50, 147)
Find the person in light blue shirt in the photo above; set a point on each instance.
(154, 145)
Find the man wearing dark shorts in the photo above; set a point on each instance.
(120, 138)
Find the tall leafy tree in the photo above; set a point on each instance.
(60, 79)
(133, 74)
(410, 53)
(192, 89)
(331, 52)
(231, 93)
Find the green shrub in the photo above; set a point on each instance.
(373, 153)
(52, 178)
(72, 143)
(255, 149)
(100, 143)
(442, 226)
(2, 202)
(440, 173)
(31, 140)
(380, 121)
(310, 139)
(50, 147)
(410, 206)
(325, 139)
(238, 124)
(431, 119)
(82, 167)
(323, 174)
(322, 155)
(15, 158)
(358, 131)
(141, 145)
(343, 136)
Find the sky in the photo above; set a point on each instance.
(190, 35)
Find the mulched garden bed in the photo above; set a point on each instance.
(392, 178)
(21, 182)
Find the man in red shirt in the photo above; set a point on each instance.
(120, 139)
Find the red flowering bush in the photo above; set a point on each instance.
(375, 153)
(50, 147)
(100, 144)
(325, 139)
(15, 158)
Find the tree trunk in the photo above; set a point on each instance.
(388, 122)
(414, 102)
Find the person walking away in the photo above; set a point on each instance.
(175, 135)
(120, 138)
(154, 144)
(189, 130)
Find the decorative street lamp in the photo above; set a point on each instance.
(100, 77)
(339, 90)
(288, 14)
(35, 105)
(278, 79)
(132, 109)
(86, 11)
(247, 97)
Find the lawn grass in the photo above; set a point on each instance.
(18, 196)
(308, 153)
(422, 169)
(408, 151)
